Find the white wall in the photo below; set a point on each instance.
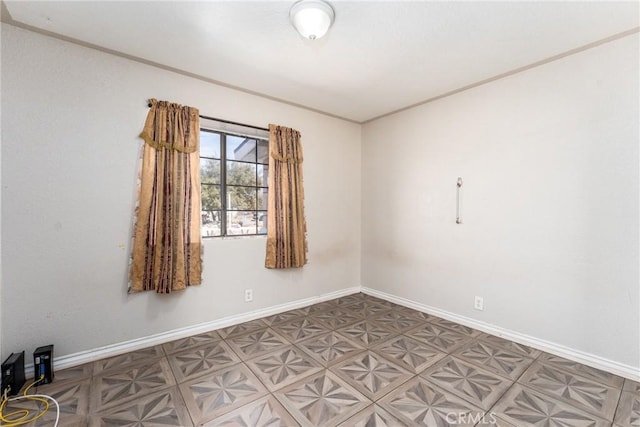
(549, 159)
(70, 125)
(550, 234)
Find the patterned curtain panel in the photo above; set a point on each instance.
(167, 244)
(286, 233)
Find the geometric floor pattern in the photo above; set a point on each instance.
(352, 361)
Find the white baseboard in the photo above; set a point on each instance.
(627, 371)
(83, 357)
(594, 361)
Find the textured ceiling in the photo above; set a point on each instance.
(377, 58)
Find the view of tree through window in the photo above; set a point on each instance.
(234, 174)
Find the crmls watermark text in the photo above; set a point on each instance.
(478, 419)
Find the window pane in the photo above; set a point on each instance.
(262, 222)
(209, 144)
(241, 198)
(240, 148)
(209, 171)
(241, 223)
(246, 177)
(241, 174)
(262, 198)
(263, 151)
(263, 175)
(211, 224)
(210, 197)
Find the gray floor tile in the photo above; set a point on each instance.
(191, 342)
(426, 316)
(524, 407)
(583, 370)
(112, 388)
(575, 390)
(264, 412)
(371, 374)
(454, 326)
(444, 339)
(397, 320)
(283, 367)
(330, 348)
(420, 403)
(327, 365)
(75, 373)
(320, 307)
(380, 301)
(476, 385)
(257, 343)
(628, 413)
(492, 420)
(372, 416)
(409, 353)
(164, 408)
(408, 312)
(300, 329)
(243, 328)
(287, 316)
(221, 392)
(631, 386)
(349, 299)
(494, 358)
(302, 311)
(120, 362)
(366, 309)
(337, 318)
(366, 333)
(512, 346)
(322, 399)
(196, 362)
(73, 399)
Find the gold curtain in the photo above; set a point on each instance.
(167, 244)
(286, 233)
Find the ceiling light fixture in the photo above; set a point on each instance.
(311, 18)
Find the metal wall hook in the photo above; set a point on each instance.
(458, 213)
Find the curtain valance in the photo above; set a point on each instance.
(171, 126)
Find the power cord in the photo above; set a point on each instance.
(21, 417)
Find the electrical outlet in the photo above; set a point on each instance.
(478, 304)
(248, 295)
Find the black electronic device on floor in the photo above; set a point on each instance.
(43, 364)
(13, 373)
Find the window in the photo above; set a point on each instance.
(234, 174)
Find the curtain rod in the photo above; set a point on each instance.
(233, 123)
(228, 122)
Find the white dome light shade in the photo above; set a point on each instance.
(312, 18)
